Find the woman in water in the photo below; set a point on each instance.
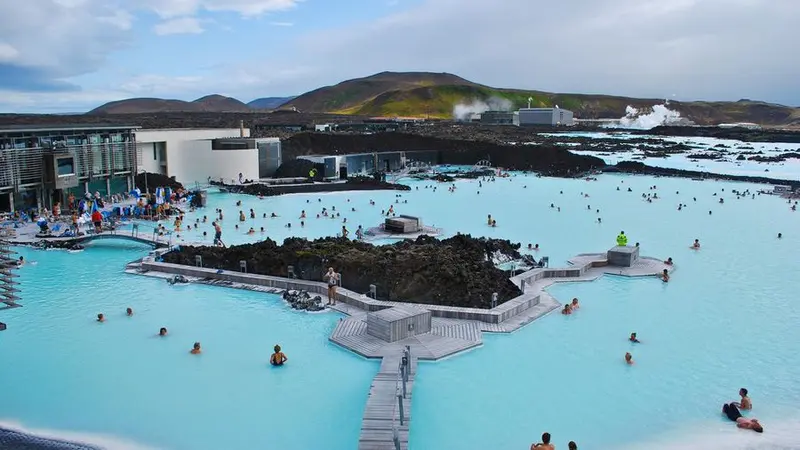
(574, 305)
(628, 359)
(196, 350)
(696, 245)
(278, 358)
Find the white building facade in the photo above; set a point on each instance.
(190, 156)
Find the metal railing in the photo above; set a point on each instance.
(8, 291)
(401, 392)
(22, 166)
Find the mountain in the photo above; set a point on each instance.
(269, 102)
(220, 103)
(436, 95)
(350, 96)
(209, 103)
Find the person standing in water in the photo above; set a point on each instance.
(278, 358)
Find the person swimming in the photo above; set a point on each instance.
(196, 350)
(696, 245)
(278, 358)
(668, 261)
(732, 412)
(101, 318)
(574, 305)
(129, 312)
(665, 276)
(628, 358)
(634, 339)
(567, 309)
(162, 332)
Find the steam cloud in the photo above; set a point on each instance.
(637, 120)
(464, 111)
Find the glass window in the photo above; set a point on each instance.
(66, 166)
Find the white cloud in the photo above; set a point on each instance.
(158, 85)
(181, 25)
(713, 49)
(119, 18)
(282, 24)
(248, 8)
(7, 52)
(724, 49)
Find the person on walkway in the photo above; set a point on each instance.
(333, 280)
(545, 444)
(622, 240)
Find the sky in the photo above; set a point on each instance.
(73, 55)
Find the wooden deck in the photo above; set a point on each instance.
(445, 339)
(382, 412)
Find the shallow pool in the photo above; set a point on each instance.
(63, 371)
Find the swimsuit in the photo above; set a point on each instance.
(731, 411)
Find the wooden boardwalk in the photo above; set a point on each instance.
(382, 412)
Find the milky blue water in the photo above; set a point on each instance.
(63, 371)
(726, 320)
(785, 170)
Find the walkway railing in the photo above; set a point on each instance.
(401, 392)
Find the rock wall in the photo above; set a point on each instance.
(546, 159)
(456, 272)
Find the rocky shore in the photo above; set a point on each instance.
(547, 159)
(739, 134)
(633, 167)
(458, 271)
(352, 184)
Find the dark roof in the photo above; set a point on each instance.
(63, 127)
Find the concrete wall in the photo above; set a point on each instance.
(190, 159)
(545, 116)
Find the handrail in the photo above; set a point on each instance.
(403, 371)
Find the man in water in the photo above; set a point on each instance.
(732, 412)
(545, 444)
(745, 403)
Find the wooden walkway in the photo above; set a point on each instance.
(382, 412)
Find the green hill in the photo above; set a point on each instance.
(435, 95)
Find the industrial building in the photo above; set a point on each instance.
(545, 116)
(194, 155)
(500, 118)
(42, 165)
(342, 166)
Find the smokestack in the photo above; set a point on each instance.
(241, 128)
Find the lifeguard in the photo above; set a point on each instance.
(622, 240)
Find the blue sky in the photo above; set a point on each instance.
(73, 55)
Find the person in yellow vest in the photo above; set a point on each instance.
(622, 240)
